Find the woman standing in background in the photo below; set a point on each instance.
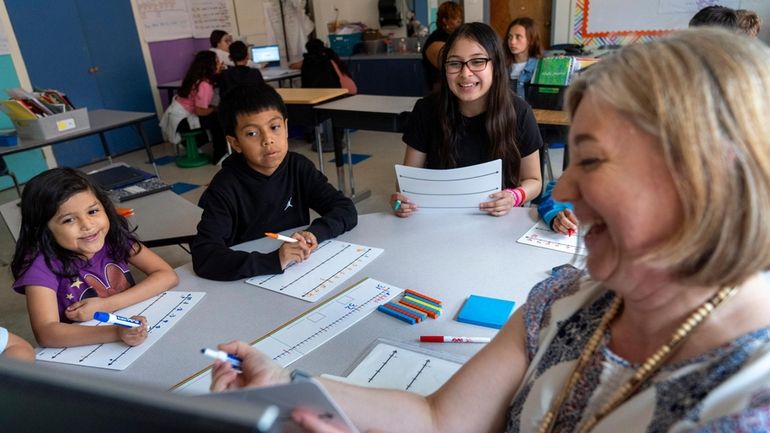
(448, 18)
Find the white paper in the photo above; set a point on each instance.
(311, 330)
(456, 190)
(540, 235)
(327, 267)
(162, 312)
(396, 366)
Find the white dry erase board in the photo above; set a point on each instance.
(165, 20)
(456, 190)
(307, 394)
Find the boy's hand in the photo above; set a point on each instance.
(565, 222)
(84, 310)
(293, 252)
(308, 238)
(134, 336)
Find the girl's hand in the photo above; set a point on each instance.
(256, 369)
(134, 336)
(308, 238)
(291, 252)
(500, 205)
(565, 222)
(401, 205)
(84, 310)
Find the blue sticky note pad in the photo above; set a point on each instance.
(483, 311)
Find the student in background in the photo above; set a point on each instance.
(475, 118)
(719, 16)
(72, 260)
(448, 17)
(749, 22)
(524, 50)
(263, 188)
(220, 42)
(196, 96)
(240, 74)
(13, 346)
(321, 67)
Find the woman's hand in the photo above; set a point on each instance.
(134, 336)
(256, 369)
(401, 205)
(84, 310)
(500, 204)
(565, 222)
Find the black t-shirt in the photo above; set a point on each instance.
(423, 133)
(239, 75)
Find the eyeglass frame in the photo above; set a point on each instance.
(467, 64)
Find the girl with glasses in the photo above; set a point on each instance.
(475, 118)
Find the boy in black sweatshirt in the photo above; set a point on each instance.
(263, 188)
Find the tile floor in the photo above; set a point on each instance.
(374, 173)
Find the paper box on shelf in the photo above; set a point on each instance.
(52, 126)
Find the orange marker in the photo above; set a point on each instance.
(280, 237)
(124, 211)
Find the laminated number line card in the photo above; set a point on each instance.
(327, 267)
(162, 312)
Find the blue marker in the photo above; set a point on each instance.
(114, 319)
(223, 356)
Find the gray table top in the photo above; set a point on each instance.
(99, 121)
(445, 256)
(372, 104)
(164, 215)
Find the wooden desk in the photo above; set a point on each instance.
(100, 121)
(445, 256)
(551, 117)
(160, 219)
(300, 102)
(368, 112)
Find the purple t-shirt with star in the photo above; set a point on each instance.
(101, 276)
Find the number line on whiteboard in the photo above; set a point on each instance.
(424, 365)
(338, 272)
(309, 270)
(384, 363)
(325, 328)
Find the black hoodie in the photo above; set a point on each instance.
(241, 205)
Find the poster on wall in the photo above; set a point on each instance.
(208, 15)
(164, 20)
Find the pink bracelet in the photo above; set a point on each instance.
(519, 195)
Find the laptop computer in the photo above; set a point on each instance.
(118, 176)
(270, 54)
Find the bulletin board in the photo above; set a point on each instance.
(621, 22)
(165, 20)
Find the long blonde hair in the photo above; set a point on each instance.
(705, 94)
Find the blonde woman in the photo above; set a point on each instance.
(668, 330)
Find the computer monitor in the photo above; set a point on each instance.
(41, 399)
(269, 54)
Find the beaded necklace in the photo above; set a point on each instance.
(642, 374)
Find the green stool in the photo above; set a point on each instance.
(192, 158)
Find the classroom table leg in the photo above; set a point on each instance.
(138, 126)
(319, 147)
(106, 147)
(365, 194)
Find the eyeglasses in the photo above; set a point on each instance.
(474, 65)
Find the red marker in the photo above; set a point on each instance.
(448, 339)
(570, 232)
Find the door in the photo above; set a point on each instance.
(89, 50)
